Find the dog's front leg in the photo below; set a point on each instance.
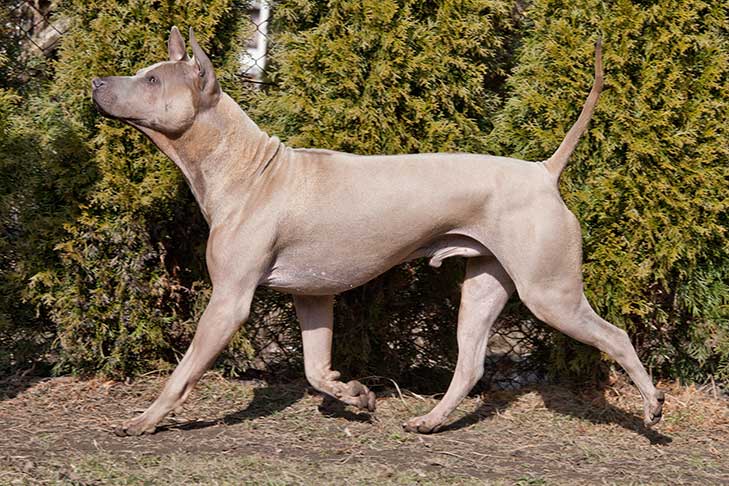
(315, 315)
(227, 310)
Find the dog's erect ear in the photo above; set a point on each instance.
(176, 45)
(208, 82)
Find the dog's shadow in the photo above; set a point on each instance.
(596, 410)
(269, 400)
(274, 398)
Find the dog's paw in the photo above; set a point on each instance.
(355, 393)
(135, 427)
(422, 425)
(365, 397)
(653, 409)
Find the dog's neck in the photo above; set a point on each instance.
(222, 150)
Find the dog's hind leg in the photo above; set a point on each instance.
(315, 315)
(577, 319)
(548, 277)
(485, 291)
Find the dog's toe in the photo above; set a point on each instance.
(367, 400)
(134, 428)
(371, 401)
(409, 427)
(359, 395)
(420, 425)
(654, 411)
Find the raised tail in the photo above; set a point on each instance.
(558, 161)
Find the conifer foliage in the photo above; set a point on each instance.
(44, 171)
(649, 181)
(130, 282)
(390, 76)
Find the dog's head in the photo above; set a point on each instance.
(165, 97)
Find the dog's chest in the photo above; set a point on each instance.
(315, 279)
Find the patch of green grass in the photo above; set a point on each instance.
(530, 481)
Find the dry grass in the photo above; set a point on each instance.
(234, 432)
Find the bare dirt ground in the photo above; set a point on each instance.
(250, 432)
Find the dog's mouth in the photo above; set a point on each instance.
(100, 108)
(99, 99)
(99, 103)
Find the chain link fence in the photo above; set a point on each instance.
(32, 20)
(35, 28)
(513, 359)
(253, 58)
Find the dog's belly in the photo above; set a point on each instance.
(309, 275)
(323, 269)
(316, 279)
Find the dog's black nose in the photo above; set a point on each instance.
(97, 83)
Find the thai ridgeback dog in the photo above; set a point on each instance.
(314, 223)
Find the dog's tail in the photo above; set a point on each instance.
(558, 161)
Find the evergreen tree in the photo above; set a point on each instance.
(130, 283)
(649, 181)
(37, 194)
(390, 76)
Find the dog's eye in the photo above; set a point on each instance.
(151, 80)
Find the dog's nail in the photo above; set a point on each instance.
(371, 401)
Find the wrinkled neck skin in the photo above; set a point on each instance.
(222, 148)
